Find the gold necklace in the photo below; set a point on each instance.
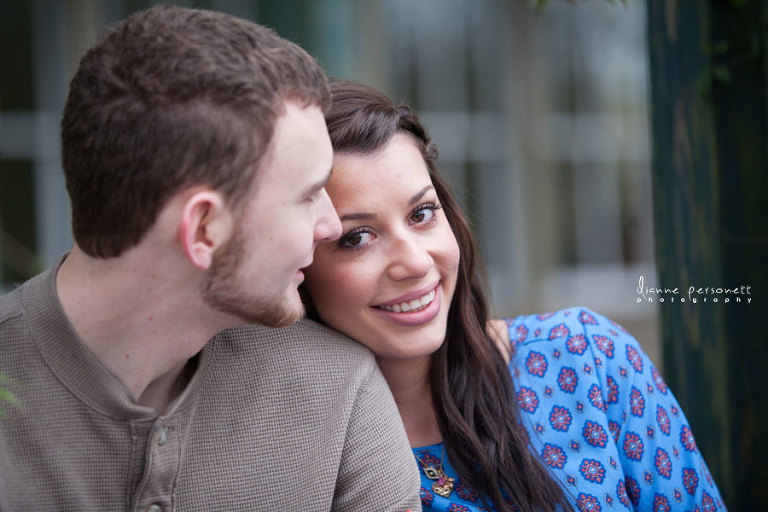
(443, 484)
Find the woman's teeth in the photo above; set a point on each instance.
(412, 305)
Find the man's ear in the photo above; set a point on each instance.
(206, 223)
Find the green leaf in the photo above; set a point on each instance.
(7, 396)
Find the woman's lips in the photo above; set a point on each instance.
(421, 308)
(412, 295)
(411, 305)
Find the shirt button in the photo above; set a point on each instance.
(154, 508)
(162, 438)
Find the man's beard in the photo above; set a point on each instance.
(223, 291)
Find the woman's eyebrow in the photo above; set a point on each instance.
(368, 216)
(357, 216)
(416, 197)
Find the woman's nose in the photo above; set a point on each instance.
(410, 258)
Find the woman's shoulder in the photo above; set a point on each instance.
(568, 333)
(565, 323)
(498, 332)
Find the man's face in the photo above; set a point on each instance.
(255, 275)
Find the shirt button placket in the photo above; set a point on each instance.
(162, 464)
(162, 437)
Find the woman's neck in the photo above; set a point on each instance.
(409, 381)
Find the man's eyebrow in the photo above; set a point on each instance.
(367, 216)
(315, 187)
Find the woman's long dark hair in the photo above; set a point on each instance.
(472, 388)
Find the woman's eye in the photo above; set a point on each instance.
(424, 214)
(355, 239)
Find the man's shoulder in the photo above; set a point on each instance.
(277, 365)
(9, 306)
(12, 304)
(305, 340)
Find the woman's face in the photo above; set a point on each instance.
(389, 279)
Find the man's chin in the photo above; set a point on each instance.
(281, 319)
(270, 314)
(277, 315)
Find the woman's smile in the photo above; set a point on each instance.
(411, 312)
(412, 301)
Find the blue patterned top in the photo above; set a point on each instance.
(601, 418)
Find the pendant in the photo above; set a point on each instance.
(443, 486)
(431, 472)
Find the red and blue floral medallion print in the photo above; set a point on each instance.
(600, 417)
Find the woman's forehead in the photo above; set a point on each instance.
(398, 166)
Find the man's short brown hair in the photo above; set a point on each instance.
(171, 98)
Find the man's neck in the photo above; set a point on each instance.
(142, 318)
